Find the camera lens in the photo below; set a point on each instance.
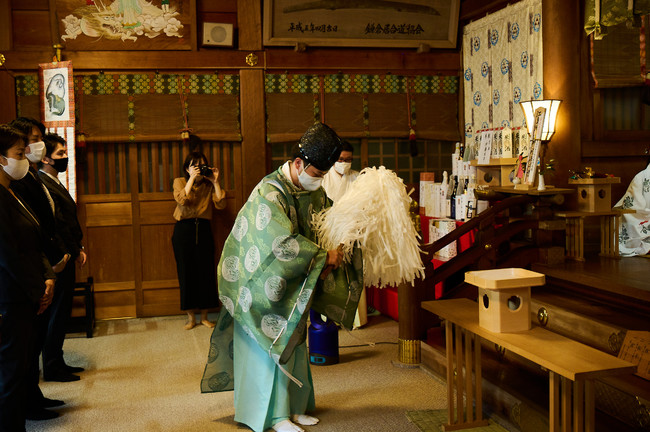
(205, 170)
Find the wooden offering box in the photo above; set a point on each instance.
(595, 194)
(504, 297)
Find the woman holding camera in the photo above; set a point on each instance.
(196, 194)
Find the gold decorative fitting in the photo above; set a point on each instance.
(2, 59)
(408, 351)
(58, 48)
(542, 316)
(251, 59)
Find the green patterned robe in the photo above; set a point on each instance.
(269, 277)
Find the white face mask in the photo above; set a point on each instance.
(308, 182)
(36, 151)
(16, 168)
(342, 167)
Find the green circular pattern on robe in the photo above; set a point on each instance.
(213, 354)
(219, 381)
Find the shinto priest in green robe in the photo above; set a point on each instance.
(269, 278)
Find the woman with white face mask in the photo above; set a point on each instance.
(337, 181)
(26, 283)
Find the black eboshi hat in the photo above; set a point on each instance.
(320, 146)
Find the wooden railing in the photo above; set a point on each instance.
(493, 229)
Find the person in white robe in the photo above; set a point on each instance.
(336, 183)
(634, 235)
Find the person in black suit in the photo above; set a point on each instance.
(68, 232)
(31, 191)
(26, 283)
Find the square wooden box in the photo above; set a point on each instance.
(504, 297)
(595, 195)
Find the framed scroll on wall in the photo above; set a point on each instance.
(57, 106)
(362, 23)
(56, 94)
(126, 24)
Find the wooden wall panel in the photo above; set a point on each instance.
(31, 29)
(5, 30)
(110, 254)
(250, 24)
(158, 261)
(216, 6)
(163, 296)
(8, 106)
(112, 305)
(157, 212)
(42, 5)
(108, 214)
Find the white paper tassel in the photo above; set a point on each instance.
(374, 215)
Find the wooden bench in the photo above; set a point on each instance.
(572, 368)
(610, 222)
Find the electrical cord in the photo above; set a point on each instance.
(368, 344)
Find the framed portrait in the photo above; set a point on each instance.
(362, 23)
(56, 94)
(88, 25)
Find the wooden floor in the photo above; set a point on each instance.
(628, 277)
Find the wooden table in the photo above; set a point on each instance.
(610, 222)
(572, 368)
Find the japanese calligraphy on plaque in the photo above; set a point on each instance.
(361, 23)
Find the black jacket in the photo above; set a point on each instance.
(68, 229)
(23, 266)
(30, 191)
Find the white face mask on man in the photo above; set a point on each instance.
(15, 168)
(342, 167)
(36, 151)
(309, 182)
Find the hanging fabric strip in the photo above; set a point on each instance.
(591, 55)
(642, 54)
(366, 116)
(413, 145)
(80, 134)
(598, 34)
(321, 89)
(186, 131)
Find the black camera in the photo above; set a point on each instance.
(205, 170)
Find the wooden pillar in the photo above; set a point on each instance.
(7, 83)
(562, 36)
(252, 98)
(409, 310)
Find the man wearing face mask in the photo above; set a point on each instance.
(337, 181)
(270, 273)
(69, 234)
(31, 191)
(25, 277)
